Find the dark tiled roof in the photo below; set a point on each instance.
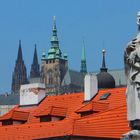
(9, 99)
(74, 78)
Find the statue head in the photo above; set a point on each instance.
(138, 18)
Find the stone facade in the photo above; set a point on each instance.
(53, 74)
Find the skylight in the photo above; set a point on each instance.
(105, 96)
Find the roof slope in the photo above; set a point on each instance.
(9, 99)
(108, 118)
(38, 130)
(64, 105)
(68, 102)
(73, 77)
(109, 124)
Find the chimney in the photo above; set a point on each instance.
(32, 94)
(91, 87)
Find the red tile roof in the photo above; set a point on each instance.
(16, 115)
(66, 103)
(93, 106)
(108, 118)
(54, 111)
(109, 124)
(20, 115)
(36, 130)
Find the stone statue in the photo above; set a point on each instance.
(132, 72)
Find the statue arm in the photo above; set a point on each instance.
(132, 59)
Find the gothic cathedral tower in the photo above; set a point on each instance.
(35, 69)
(55, 66)
(19, 76)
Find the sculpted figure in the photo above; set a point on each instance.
(132, 72)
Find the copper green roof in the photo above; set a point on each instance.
(43, 56)
(54, 52)
(83, 61)
(54, 38)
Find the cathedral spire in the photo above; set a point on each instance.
(19, 75)
(83, 61)
(103, 68)
(19, 57)
(35, 58)
(54, 38)
(35, 72)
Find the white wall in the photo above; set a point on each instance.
(91, 87)
(5, 108)
(32, 93)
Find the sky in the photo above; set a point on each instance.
(102, 24)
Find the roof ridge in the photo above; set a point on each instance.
(83, 106)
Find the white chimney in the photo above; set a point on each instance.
(31, 94)
(90, 86)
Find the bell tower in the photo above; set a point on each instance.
(54, 65)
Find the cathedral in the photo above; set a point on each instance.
(53, 71)
(54, 66)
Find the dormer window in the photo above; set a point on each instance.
(15, 117)
(52, 114)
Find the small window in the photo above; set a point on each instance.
(105, 96)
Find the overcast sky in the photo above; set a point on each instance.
(104, 24)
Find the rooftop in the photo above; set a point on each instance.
(105, 114)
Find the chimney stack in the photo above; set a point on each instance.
(32, 94)
(90, 87)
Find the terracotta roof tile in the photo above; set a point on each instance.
(99, 106)
(110, 121)
(67, 102)
(85, 107)
(54, 111)
(93, 106)
(8, 115)
(109, 124)
(20, 115)
(59, 111)
(37, 131)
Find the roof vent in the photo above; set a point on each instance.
(105, 96)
